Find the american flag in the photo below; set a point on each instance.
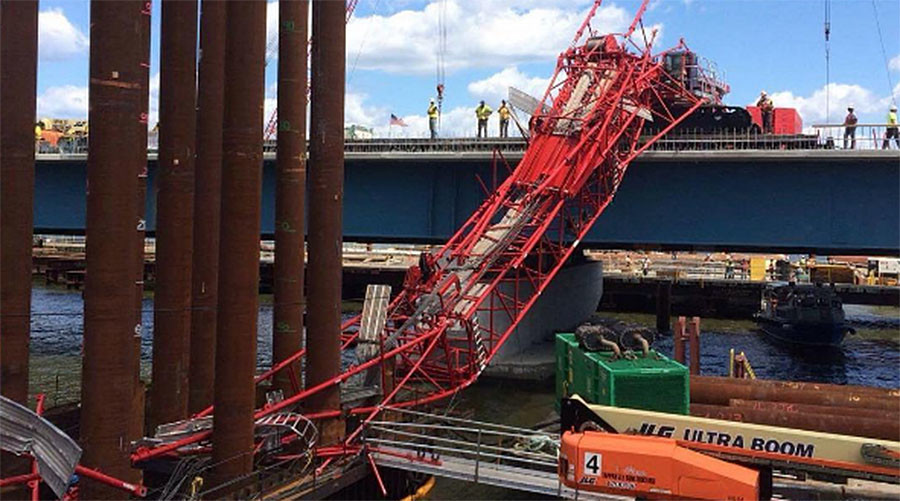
(395, 120)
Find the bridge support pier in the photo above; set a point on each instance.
(571, 298)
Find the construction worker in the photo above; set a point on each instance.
(765, 107)
(432, 119)
(891, 129)
(503, 113)
(850, 122)
(482, 112)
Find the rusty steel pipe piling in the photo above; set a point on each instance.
(207, 201)
(234, 391)
(136, 426)
(326, 178)
(290, 190)
(18, 64)
(678, 337)
(812, 387)
(737, 403)
(175, 208)
(117, 130)
(719, 392)
(829, 423)
(693, 329)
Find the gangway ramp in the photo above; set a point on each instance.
(472, 451)
(497, 475)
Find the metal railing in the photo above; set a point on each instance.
(827, 137)
(434, 438)
(733, 140)
(864, 136)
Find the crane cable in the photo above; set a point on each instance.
(887, 68)
(827, 61)
(441, 56)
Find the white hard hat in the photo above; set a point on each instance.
(762, 92)
(432, 100)
(893, 107)
(851, 107)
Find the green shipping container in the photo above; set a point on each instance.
(653, 382)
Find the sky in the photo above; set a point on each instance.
(393, 46)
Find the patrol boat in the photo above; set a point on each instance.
(807, 314)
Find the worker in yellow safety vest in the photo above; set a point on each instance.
(892, 132)
(482, 112)
(766, 107)
(503, 113)
(432, 119)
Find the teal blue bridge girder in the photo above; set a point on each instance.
(820, 201)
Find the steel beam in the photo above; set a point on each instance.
(175, 206)
(239, 250)
(290, 189)
(18, 64)
(326, 178)
(207, 200)
(117, 130)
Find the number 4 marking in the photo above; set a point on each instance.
(593, 463)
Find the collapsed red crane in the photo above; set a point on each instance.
(461, 304)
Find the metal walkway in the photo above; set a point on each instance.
(472, 451)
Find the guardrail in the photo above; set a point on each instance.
(829, 137)
(433, 436)
(862, 136)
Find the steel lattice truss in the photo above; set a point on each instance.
(461, 303)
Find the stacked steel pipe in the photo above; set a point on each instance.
(290, 190)
(175, 211)
(236, 319)
(207, 200)
(118, 130)
(326, 179)
(843, 409)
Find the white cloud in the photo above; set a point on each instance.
(153, 112)
(271, 32)
(868, 105)
(65, 101)
(894, 63)
(58, 39)
(480, 33)
(496, 87)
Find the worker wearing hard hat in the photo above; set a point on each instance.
(503, 113)
(891, 129)
(850, 122)
(483, 112)
(432, 119)
(765, 107)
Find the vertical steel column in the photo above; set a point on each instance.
(694, 335)
(116, 104)
(239, 250)
(18, 65)
(678, 337)
(207, 201)
(136, 426)
(326, 180)
(290, 188)
(175, 212)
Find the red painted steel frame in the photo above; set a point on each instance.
(450, 320)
